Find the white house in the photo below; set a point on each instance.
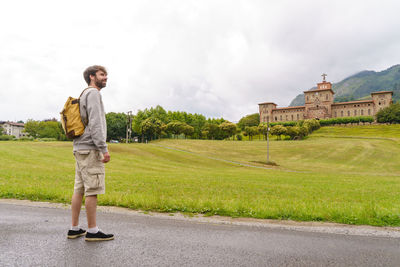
(13, 128)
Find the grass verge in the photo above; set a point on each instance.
(340, 180)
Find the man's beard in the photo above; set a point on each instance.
(99, 83)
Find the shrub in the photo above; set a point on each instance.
(47, 139)
(293, 131)
(239, 137)
(25, 138)
(345, 120)
(7, 137)
(389, 114)
(312, 125)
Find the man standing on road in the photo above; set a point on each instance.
(90, 151)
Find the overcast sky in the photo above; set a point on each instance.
(217, 58)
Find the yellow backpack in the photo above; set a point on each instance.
(71, 119)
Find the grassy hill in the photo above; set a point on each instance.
(340, 174)
(362, 84)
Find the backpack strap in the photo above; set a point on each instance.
(87, 117)
(84, 91)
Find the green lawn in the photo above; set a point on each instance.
(339, 174)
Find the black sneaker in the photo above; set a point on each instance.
(74, 234)
(99, 236)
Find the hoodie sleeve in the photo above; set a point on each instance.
(97, 121)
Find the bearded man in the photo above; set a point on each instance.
(90, 151)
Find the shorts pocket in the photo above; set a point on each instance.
(95, 179)
(83, 152)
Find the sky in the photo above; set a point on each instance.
(219, 58)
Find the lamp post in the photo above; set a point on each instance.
(267, 139)
(129, 127)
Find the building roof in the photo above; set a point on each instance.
(288, 108)
(267, 103)
(15, 123)
(382, 92)
(319, 90)
(353, 102)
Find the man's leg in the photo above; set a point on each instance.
(76, 204)
(91, 206)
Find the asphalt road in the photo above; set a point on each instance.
(36, 236)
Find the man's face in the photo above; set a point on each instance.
(100, 79)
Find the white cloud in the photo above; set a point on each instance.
(218, 58)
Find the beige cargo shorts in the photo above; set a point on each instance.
(89, 172)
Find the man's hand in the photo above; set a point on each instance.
(106, 157)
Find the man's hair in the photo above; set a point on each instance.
(92, 71)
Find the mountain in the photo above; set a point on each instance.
(361, 85)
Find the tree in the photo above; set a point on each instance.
(228, 128)
(213, 131)
(187, 130)
(175, 128)
(204, 134)
(249, 120)
(278, 130)
(49, 129)
(116, 125)
(263, 129)
(151, 127)
(137, 122)
(32, 128)
(250, 131)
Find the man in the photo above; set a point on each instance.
(90, 151)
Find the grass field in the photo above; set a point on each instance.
(339, 174)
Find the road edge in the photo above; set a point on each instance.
(317, 227)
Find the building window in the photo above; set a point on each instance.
(326, 97)
(286, 117)
(297, 116)
(362, 112)
(281, 117)
(276, 118)
(369, 111)
(348, 113)
(341, 113)
(292, 117)
(355, 112)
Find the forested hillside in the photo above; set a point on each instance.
(362, 84)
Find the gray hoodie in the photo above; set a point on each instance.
(94, 117)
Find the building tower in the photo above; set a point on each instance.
(265, 110)
(318, 102)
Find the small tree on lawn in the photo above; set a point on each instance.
(278, 130)
(228, 128)
(250, 131)
(187, 130)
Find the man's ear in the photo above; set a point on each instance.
(91, 77)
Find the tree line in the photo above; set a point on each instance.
(155, 123)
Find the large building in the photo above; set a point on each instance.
(319, 105)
